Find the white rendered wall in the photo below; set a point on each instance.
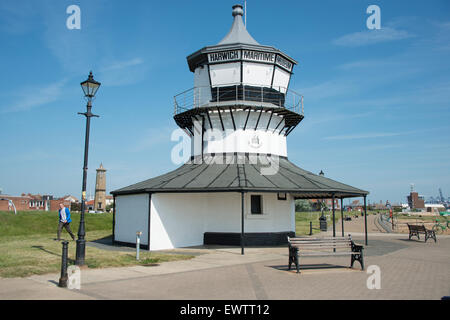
(202, 91)
(181, 219)
(257, 74)
(131, 216)
(253, 74)
(281, 80)
(225, 74)
(250, 140)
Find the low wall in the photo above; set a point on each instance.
(402, 227)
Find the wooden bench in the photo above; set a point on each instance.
(331, 246)
(415, 230)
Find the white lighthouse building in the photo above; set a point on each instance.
(238, 188)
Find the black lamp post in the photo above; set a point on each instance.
(90, 87)
(322, 218)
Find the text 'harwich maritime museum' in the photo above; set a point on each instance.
(238, 188)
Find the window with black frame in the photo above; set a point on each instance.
(256, 204)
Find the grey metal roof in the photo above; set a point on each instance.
(243, 172)
(238, 32)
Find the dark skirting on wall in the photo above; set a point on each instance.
(251, 238)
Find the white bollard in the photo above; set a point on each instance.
(74, 277)
(138, 243)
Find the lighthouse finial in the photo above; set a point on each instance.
(238, 10)
(238, 33)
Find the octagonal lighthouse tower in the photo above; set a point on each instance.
(238, 187)
(240, 102)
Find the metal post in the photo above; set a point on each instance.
(310, 228)
(81, 242)
(302, 105)
(138, 243)
(365, 219)
(342, 215)
(322, 218)
(392, 219)
(334, 221)
(114, 220)
(279, 96)
(242, 223)
(64, 277)
(174, 105)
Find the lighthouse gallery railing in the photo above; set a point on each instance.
(209, 96)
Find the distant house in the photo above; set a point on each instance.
(90, 205)
(38, 202)
(354, 206)
(20, 202)
(328, 202)
(109, 200)
(71, 198)
(434, 207)
(32, 202)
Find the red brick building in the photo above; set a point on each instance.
(20, 202)
(328, 202)
(415, 201)
(30, 202)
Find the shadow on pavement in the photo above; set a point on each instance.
(311, 267)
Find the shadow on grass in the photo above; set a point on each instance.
(108, 240)
(106, 243)
(70, 261)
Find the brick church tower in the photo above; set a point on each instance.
(100, 190)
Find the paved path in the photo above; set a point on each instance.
(409, 270)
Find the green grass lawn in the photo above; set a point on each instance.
(27, 244)
(302, 220)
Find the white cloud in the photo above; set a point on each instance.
(378, 134)
(369, 37)
(364, 136)
(126, 72)
(119, 65)
(32, 97)
(151, 138)
(330, 88)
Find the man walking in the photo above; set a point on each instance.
(64, 221)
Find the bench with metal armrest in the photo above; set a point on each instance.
(415, 230)
(331, 246)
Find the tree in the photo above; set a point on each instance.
(109, 207)
(302, 205)
(75, 206)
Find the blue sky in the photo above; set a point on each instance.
(377, 102)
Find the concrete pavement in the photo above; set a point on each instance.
(409, 270)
